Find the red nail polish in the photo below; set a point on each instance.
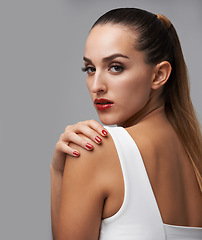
(98, 139)
(76, 153)
(89, 146)
(104, 132)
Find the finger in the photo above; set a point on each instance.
(77, 139)
(85, 129)
(89, 133)
(63, 147)
(78, 127)
(96, 126)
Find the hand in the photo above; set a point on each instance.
(92, 131)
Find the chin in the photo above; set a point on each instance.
(108, 120)
(122, 121)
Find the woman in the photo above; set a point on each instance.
(144, 180)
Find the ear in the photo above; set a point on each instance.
(162, 72)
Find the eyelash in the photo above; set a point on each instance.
(85, 69)
(120, 67)
(114, 65)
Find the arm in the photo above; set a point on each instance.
(91, 129)
(83, 195)
(56, 188)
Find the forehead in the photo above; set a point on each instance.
(107, 39)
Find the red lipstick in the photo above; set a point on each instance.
(103, 104)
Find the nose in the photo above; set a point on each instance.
(98, 84)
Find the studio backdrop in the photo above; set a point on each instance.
(43, 90)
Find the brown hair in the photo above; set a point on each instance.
(158, 39)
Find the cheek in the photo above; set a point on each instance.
(134, 94)
(88, 86)
(136, 86)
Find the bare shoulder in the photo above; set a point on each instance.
(104, 162)
(95, 164)
(153, 138)
(84, 192)
(98, 154)
(152, 131)
(156, 140)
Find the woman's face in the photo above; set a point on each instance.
(118, 79)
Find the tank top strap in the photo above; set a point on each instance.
(139, 209)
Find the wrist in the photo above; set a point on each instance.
(55, 170)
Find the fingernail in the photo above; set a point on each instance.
(76, 153)
(104, 132)
(98, 139)
(89, 146)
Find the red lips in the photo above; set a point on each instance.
(103, 104)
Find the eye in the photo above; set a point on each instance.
(90, 70)
(116, 68)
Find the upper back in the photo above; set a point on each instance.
(170, 173)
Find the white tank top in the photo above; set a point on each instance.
(139, 216)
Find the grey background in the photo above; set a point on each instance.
(43, 90)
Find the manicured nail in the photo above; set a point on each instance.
(89, 146)
(76, 153)
(98, 139)
(104, 132)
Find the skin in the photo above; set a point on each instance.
(116, 78)
(92, 186)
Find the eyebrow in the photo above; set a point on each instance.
(106, 59)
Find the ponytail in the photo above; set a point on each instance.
(180, 111)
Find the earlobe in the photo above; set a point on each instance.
(161, 75)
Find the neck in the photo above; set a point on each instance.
(154, 106)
